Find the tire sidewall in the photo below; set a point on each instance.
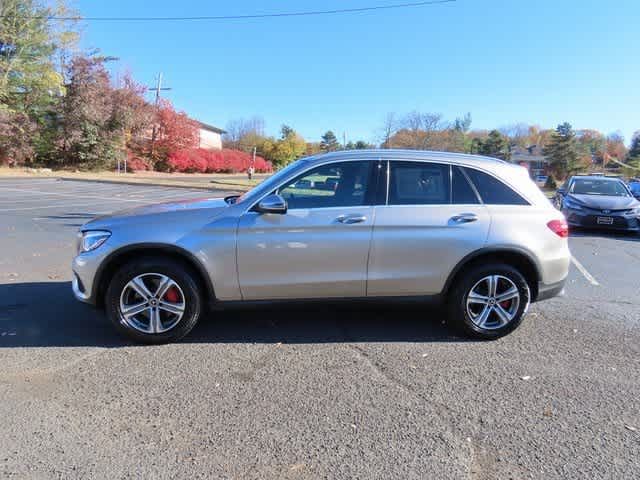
(178, 273)
(458, 304)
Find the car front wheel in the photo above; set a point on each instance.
(153, 300)
(489, 301)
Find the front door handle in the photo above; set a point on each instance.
(464, 218)
(350, 219)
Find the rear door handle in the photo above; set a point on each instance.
(349, 219)
(464, 218)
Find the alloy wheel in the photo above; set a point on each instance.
(493, 302)
(152, 303)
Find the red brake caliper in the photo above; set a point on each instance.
(172, 295)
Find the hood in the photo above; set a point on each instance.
(604, 202)
(207, 207)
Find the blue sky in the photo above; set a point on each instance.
(505, 61)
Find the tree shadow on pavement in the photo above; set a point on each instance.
(45, 314)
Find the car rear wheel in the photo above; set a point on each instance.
(489, 301)
(154, 300)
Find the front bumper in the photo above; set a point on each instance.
(79, 290)
(576, 218)
(85, 270)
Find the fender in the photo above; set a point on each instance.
(106, 266)
(493, 250)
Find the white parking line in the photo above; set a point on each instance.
(584, 272)
(37, 182)
(60, 206)
(39, 193)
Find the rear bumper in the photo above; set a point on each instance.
(550, 290)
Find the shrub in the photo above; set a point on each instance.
(215, 161)
(137, 164)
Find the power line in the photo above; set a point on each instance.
(243, 17)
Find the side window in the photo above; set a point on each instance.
(335, 185)
(419, 183)
(493, 191)
(461, 191)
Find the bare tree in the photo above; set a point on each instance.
(419, 129)
(239, 129)
(517, 133)
(388, 130)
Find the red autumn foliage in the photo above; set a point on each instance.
(175, 131)
(198, 160)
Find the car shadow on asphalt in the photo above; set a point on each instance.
(591, 233)
(45, 314)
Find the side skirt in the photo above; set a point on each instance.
(428, 300)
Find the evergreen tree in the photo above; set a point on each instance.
(562, 151)
(362, 145)
(329, 142)
(634, 151)
(495, 145)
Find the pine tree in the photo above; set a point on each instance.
(496, 145)
(562, 151)
(329, 142)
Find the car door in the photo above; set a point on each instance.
(319, 248)
(432, 219)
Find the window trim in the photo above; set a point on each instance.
(372, 184)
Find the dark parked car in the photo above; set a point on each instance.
(595, 201)
(634, 186)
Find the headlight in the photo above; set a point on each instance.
(571, 205)
(91, 240)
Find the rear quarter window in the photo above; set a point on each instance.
(493, 191)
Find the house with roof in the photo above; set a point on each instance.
(209, 137)
(532, 159)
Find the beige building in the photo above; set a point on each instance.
(210, 137)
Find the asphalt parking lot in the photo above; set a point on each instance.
(327, 392)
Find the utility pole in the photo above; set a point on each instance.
(158, 88)
(251, 168)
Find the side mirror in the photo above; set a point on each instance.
(562, 191)
(272, 204)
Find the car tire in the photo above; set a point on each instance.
(466, 309)
(164, 318)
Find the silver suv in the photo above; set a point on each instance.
(473, 232)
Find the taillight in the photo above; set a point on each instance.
(559, 227)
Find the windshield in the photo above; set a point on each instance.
(635, 187)
(611, 188)
(270, 182)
